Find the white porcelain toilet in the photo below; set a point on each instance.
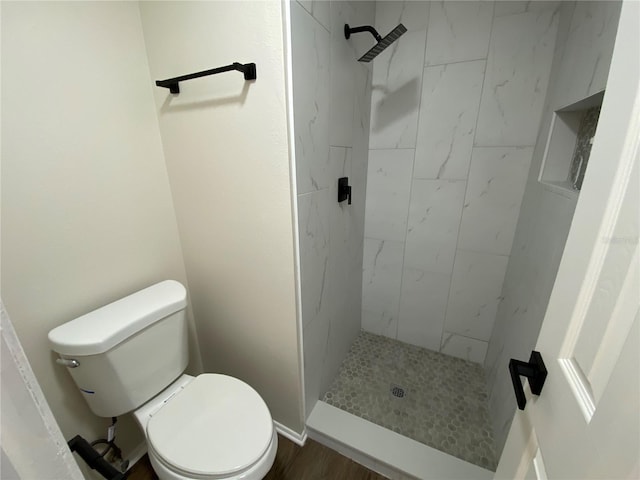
(130, 355)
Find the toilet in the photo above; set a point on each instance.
(130, 356)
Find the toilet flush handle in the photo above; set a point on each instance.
(68, 362)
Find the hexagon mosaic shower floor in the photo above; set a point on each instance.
(433, 398)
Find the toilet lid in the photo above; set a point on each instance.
(217, 425)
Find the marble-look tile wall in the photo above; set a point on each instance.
(584, 46)
(332, 101)
(455, 109)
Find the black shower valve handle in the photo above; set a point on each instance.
(344, 190)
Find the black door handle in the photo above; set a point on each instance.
(535, 371)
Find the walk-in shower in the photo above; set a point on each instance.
(416, 295)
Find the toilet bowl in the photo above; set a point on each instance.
(130, 356)
(208, 427)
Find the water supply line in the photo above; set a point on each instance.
(94, 459)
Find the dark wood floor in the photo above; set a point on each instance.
(142, 470)
(311, 462)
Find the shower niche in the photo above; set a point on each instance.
(568, 148)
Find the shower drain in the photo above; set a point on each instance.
(397, 391)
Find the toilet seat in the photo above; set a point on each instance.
(216, 427)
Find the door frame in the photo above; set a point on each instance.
(26, 415)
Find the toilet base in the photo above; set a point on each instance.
(257, 471)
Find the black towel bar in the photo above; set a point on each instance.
(249, 70)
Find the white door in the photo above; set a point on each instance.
(586, 421)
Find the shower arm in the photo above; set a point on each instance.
(365, 28)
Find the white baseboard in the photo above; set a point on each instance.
(295, 437)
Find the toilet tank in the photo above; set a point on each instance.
(128, 351)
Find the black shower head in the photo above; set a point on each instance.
(382, 42)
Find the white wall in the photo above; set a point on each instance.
(331, 98)
(455, 110)
(86, 207)
(226, 147)
(581, 64)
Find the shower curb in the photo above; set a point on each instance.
(383, 451)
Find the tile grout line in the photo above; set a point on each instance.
(312, 15)
(413, 167)
(479, 59)
(393, 148)
(466, 187)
